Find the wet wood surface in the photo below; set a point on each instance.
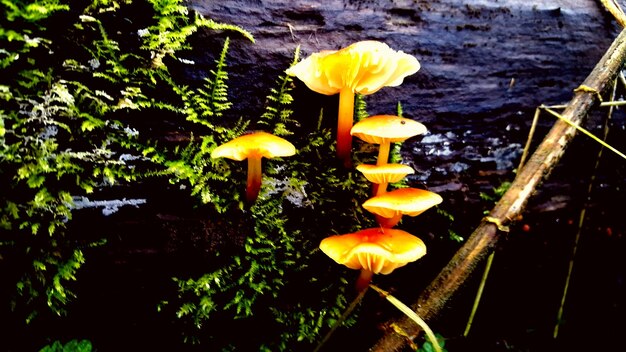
(486, 65)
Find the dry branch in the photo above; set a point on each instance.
(512, 203)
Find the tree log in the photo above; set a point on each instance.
(512, 203)
(485, 66)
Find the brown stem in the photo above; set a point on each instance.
(485, 237)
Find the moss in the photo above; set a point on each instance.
(74, 80)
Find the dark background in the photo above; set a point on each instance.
(486, 66)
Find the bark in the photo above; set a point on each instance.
(486, 65)
(470, 50)
(512, 203)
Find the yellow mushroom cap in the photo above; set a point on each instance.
(259, 143)
(377, 250)
(364, 67)
(386, 173)
(386, 128)
(405, 201)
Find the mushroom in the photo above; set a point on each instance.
(363, 67)
(384, 130)
(254, 146)
(389, 207)
(381, 175)
(373, 251)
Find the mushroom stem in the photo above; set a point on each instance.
(375, 187)
(363, 282)
(254, 178)
(383, 153)
(344, 124)
(389, 222)
(379, 188)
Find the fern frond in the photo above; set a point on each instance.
(277, 115)
(209, 103)
(213, 25)
(360, 107)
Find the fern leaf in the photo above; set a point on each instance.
(277, 115)
(211, 24)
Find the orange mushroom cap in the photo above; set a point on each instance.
(364, 67)
(381, 129)
(258, 143)
(405, 201)
(254, 147)
(386, 173)
(377, 250)
(384, 130)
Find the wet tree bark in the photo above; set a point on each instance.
(546, 156)
(485, 67)
(477, 56)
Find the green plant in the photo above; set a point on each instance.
(497, 192)
(73, 81)
(79, 84)
(427, 346)
(191, 164)
(70, 346)
(262, 283)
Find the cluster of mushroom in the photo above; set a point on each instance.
(390, 206)
(381, 250)
(363, 67)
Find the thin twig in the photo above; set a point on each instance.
(411, 315)
(591, 135)
(602, 104)
(581, 220)
(529, 139)
(483, 281)
(479, 293)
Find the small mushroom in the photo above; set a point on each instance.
(373, 251)
(384, 130)
(389, 207)
(363, 67)
(381, 175)
(254, 147)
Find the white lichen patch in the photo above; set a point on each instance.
(108, 206)
(294, 192)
